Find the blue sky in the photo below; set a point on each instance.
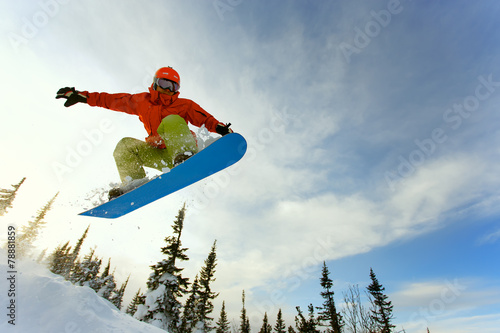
(373, 142)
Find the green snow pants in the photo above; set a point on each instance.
(132, 155)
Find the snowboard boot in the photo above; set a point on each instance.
(128, 186)
(115, 193)
(180, 158)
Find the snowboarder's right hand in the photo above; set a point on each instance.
(223, 129)
(73, 96)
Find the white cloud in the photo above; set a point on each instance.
(449, 304)
(490, 238)
(468, 324)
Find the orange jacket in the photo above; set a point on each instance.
(151, 108)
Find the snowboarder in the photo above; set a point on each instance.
(165, 117)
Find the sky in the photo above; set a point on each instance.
(372, 132)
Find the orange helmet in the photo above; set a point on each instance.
(168, 73)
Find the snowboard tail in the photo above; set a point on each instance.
(221, 154)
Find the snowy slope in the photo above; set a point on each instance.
(46, 303)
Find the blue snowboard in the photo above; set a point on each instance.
(219, 155)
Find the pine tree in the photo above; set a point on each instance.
(8, 196)
(74, 255)
(280, 323)
(78, 273)
(28, 234)
(328, 315)
(222, 325)
(107, 282)
(189, 314)
(306, 325)
(86, 273)
(136, 301)
(116, 297)
(381, 307)
(245, 322)
(205, 306)
(58, 260)
(291, 329)
(266, 327)
(166, 284)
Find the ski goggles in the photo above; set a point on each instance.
(167, 84)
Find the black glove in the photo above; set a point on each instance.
(73, 96)
(223, 129)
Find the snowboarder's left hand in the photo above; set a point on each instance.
(73, 96)
(223, 129)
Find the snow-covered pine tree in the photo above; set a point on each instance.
(78, 274)
(189, 314)
(381, 307)
(29, 233)
(85, 273)
(116, 297)
(70, 258)
(166, 284)
(205, 305)
(74, 255)
(223, 324)
(280, 323)
(58, 260)
(107, 282)
(266, 327)
(328, 315)
(245, 321)
(92, 266)
(308, 325)
(136, 301)
(7, 197)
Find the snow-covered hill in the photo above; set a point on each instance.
(46, 303)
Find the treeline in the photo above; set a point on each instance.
(354, 317)
(175, 304)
